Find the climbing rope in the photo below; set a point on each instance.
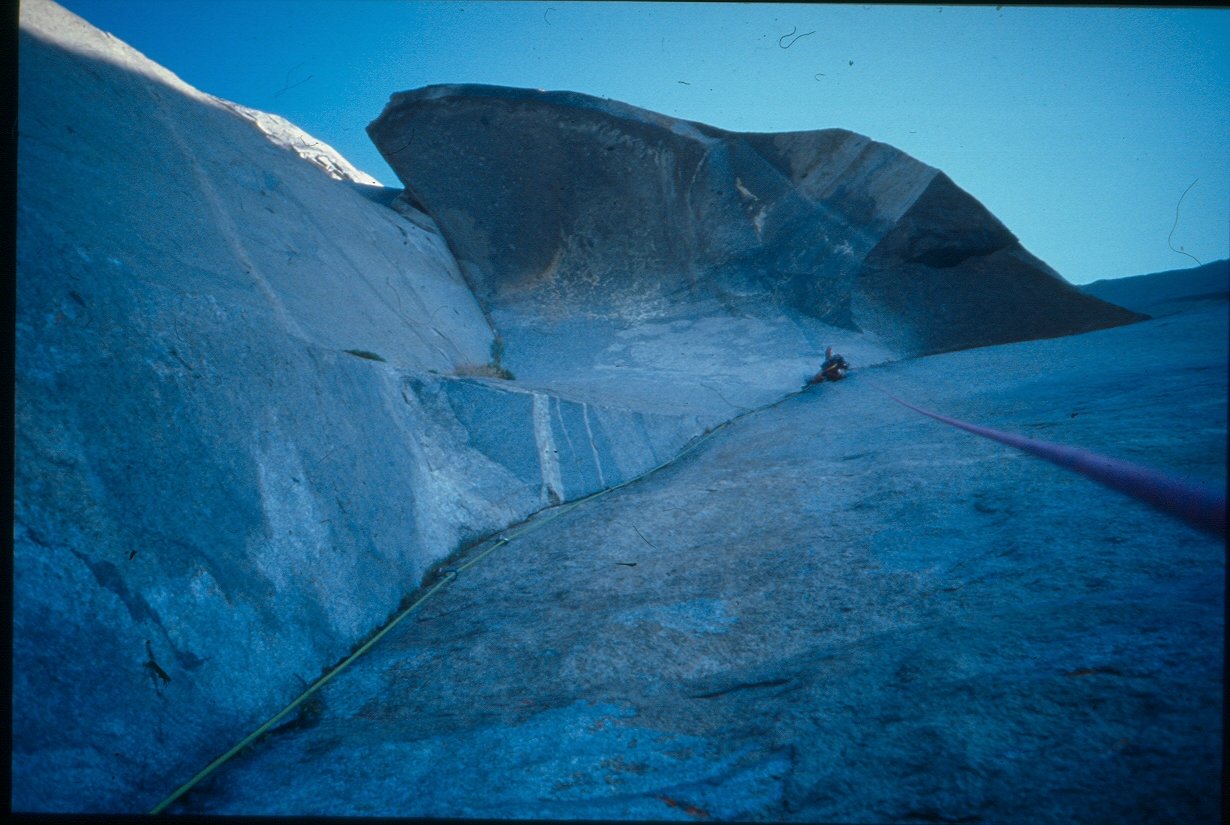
(1201, 506)
(449, 574)
(256, 734)
(1198, 505)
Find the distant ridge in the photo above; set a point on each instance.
(1165, 292)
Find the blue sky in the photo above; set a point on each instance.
(1080, 128)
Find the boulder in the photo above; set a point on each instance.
(558, 204)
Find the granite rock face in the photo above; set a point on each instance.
(1165, 293)
(831, 610)
(572, 204)
(255, 399)
(241, 434)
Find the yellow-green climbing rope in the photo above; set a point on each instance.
(500, 540)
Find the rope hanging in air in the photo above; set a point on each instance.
(1200, 505)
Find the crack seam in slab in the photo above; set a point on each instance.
(501, 539)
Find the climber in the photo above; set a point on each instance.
(834, 368)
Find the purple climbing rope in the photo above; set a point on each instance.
(1200, 505)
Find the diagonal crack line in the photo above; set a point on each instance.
(642, 535)
(743, 686)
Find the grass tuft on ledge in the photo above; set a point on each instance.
(484, 371)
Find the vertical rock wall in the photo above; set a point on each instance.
(239, 441)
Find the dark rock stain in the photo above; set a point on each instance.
(767, 683)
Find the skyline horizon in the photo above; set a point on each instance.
(1094, 135)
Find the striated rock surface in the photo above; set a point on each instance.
(832, 610)
(241, 434)
(558, 203)
(255, 396)
(281, 132)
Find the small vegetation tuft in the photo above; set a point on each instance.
(491, 370)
